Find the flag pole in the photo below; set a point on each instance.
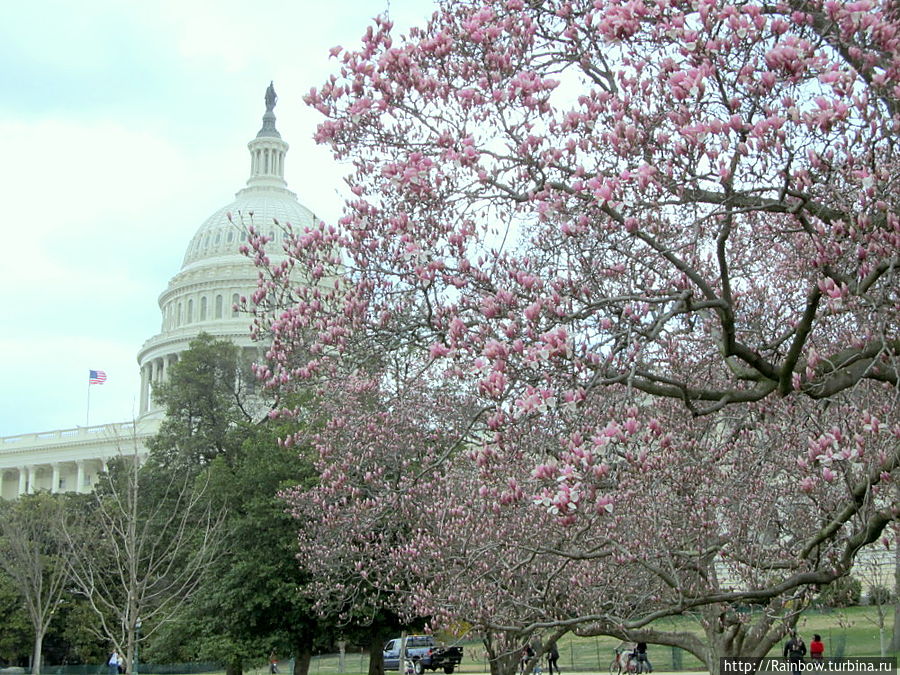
(87, 418)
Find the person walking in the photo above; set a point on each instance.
(794, 651)
(816, 648)
(552, 658)
(525, 658)
(114, 662)
(643, 661)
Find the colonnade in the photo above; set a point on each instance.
(64, 476)
(69, 460)
(267, 161)
(153, 372)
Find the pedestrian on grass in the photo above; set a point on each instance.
(816, 647)
(794, 651)
(114, 662)
(643, 661)
(525, 659)
(552, 658)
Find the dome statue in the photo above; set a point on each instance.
(271, 97)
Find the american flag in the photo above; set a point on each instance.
(96, 377)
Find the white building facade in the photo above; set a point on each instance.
(199, 298)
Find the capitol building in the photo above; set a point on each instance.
(199, 298)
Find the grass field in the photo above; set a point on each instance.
(847, 632)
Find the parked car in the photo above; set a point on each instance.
(424, 653)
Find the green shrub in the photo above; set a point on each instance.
(879, 595)
(843, 592)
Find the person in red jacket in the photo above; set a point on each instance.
(816, 647)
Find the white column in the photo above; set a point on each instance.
(170, 361)
(32, 473)
(23, 480)
(79, 478)
(145, 388)
(54, 485)
(155, 378)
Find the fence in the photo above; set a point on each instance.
(584, 655)
(144, 669)
(589, 656)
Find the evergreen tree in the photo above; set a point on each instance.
(207, 403)
(251, 604)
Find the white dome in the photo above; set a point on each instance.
(268, 210)
(214, 275)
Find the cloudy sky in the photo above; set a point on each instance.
(123, 125)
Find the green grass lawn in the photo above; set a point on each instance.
(849, 632)
(846, 632)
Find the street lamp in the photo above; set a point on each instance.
(137, 642)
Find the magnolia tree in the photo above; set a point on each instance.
(702, 516)
(610, 321)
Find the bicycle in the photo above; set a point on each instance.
(623, 662)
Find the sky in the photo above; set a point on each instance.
(123, 126)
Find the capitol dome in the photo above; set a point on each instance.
(221, 234)
(214, 275)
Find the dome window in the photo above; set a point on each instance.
(203, 308)
(235, 299)
(190, 310)
(218, 306)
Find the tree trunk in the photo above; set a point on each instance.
(895, 638)
(38, 648)
(716, 650)
(235, 667)
(129, 655)
(503, 659)
(505, 664)
(303, 656)
(376, 643)
(713, 653)
(342, 656)
(726, 638)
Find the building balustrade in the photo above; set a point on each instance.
(68, 460)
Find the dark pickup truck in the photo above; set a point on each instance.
(423, 653)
